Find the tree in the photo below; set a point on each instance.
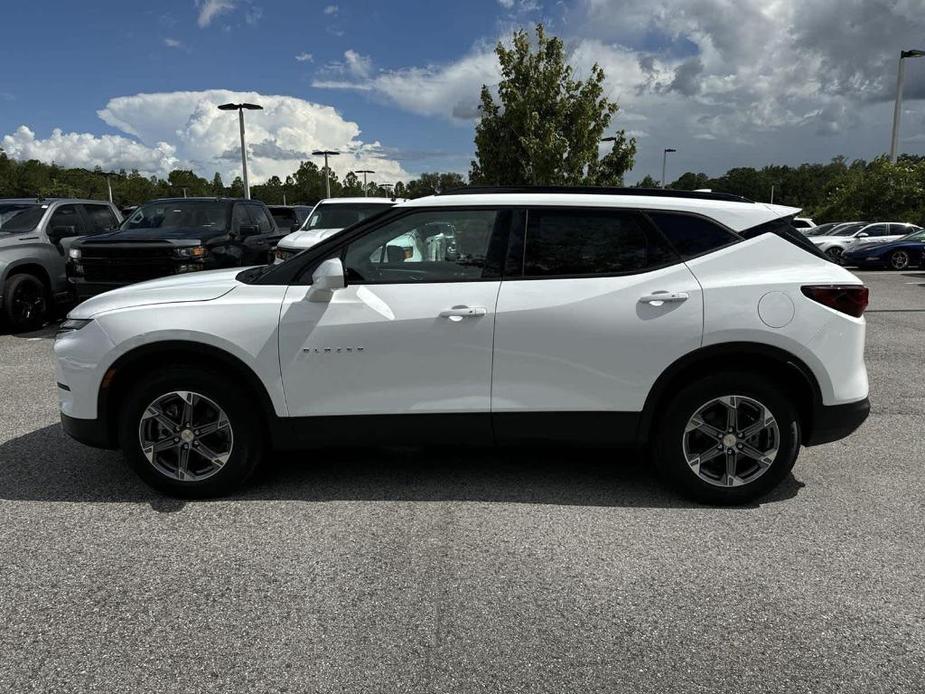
(647, 182)
(432, 183)
(546, 126)
(218, 187)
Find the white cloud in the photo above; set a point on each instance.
(186, 130)
(210, 9)
(507, 4)
(358, 65)
(89, 151)
(331, 9)
(305, 57)
(173, 43)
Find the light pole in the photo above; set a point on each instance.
(668, 150)
(388, 186)
(898, 108)
(240, 109)
(365, 189)
(327, 172)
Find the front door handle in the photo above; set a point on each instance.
(659, 298)
(460, 312)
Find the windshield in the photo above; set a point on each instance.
(283, 216)
(19, 217)
(848, 229)
(185, 214)
(822, 229)
(332, 215)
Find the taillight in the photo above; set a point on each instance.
(847, 298)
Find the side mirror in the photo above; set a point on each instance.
(863, 235)
(55, 234)
(327, 277)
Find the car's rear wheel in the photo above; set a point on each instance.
(900, 260)
(187, 433)
(728, 438)
(836, 254)
(25, 302)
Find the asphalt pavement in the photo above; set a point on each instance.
(459, 571)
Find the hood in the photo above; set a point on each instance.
(195, 286)
(306, 238)
(173, 234)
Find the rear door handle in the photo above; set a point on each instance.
(460, 312)
(659, 298)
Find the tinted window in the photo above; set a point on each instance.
(240, 217)
(101, 218)
(429, 246)
(179, 214)
(66, 216)
(569, 243)
(260, 218)
(334, 215)
(27, 216)
(285, 217)
(875, 230)
(692, 236)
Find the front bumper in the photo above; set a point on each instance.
(835, 422)
(90, 432)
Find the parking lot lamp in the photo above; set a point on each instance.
(365, 189)
(327, 171)
(898, 108)
(665, 154)
(240, 108)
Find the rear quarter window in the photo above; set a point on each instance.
(690, 235)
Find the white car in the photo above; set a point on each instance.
(847, 236)
(327, 218)
(803, 224)
(700, 325)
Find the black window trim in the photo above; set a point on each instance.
(647, 225)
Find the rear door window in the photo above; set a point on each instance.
(67, 216)
(591, 242)
(690, 235)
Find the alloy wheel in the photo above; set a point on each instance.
(185, 436)
(836, 253)
(27, 303)
(731, 441)
(899, 260)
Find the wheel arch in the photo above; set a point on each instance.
(28, 267)
(137, 362)
(786, 369)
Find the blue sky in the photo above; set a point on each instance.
(726, 83)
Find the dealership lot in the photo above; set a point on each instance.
(450, 570)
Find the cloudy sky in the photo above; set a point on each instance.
(394, 85)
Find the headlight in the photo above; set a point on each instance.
(71, 325)
(192, 252)
(74, 254)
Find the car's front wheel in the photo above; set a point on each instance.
(727, 438)
(25, 302)
(187, 433)
(900, 260)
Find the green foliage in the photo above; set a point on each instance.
(871, 191)
(546, 126)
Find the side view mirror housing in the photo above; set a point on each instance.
(863, 235)
(326, 279)
(55, 234)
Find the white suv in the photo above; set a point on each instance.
(327, 218)
(701, 325)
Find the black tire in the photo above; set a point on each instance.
(900, 260)
(247, 436)
(836, 254)
(670, 459)
(25, 302)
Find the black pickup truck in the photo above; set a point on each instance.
(174, 236)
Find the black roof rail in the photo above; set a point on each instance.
(597, 190)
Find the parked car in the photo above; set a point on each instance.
(171, 237)
(819, 229)
(803, 224)
(290, 217)
(845, 238)
(902, 254)
(35, 235)
(327, 218)
(691, 322)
